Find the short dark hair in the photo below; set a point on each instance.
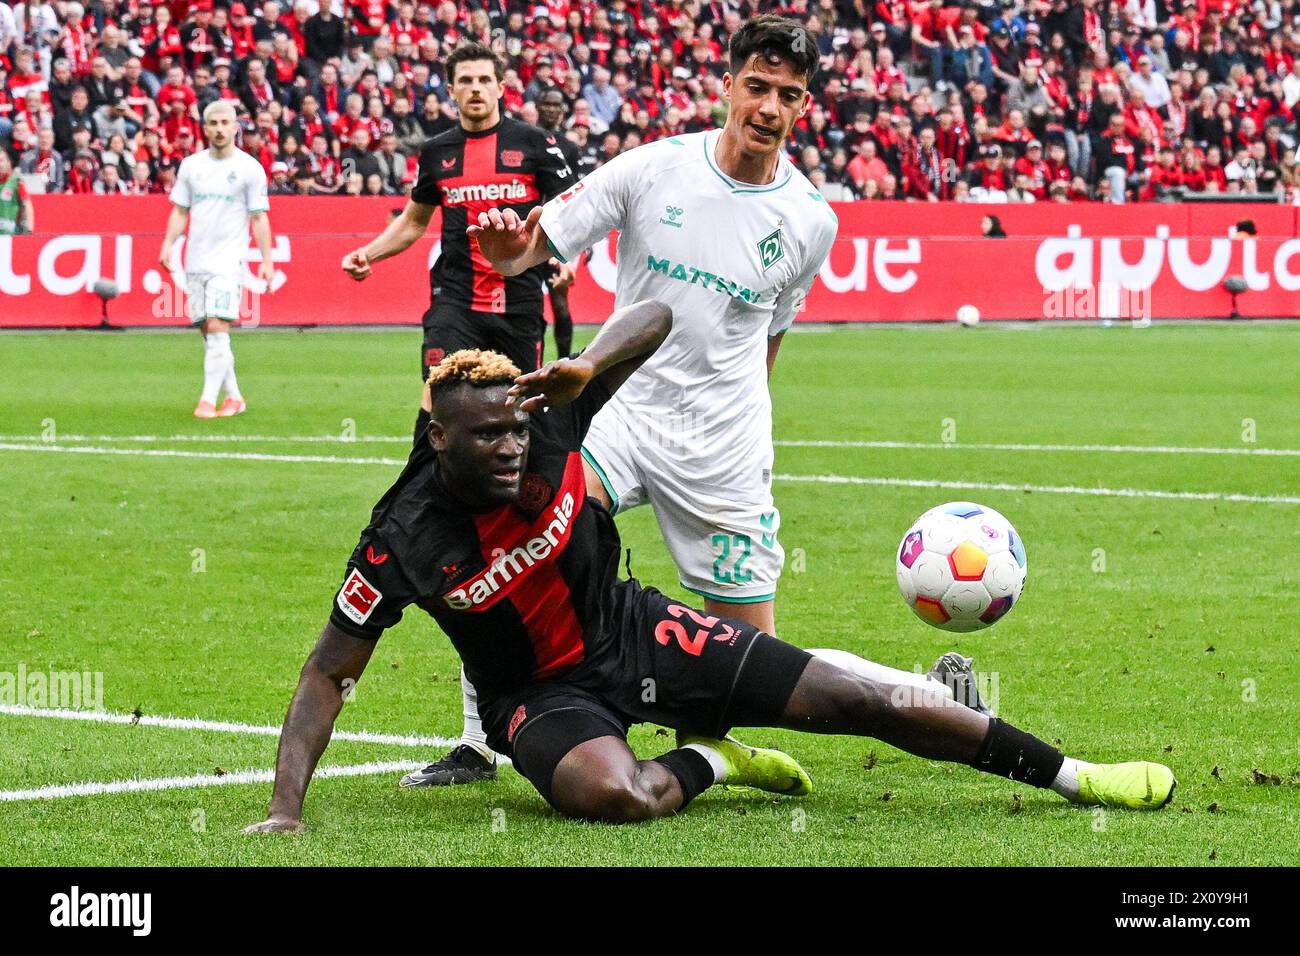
(775, 38)
(468, 52)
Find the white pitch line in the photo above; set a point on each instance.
(220, 455)
(783, 443)
(288, 439)
(825, 479)
(1018, 446)
(1045, 489)
(219, 726)
(92, 789)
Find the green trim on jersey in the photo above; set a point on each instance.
(604, 480)
(742, 190)
(555, 252)
(758, 599)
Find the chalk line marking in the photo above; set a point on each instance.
(783, 443)
(218, 726)
(95, 789)
(824, 479)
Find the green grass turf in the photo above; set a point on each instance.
(1155, 657)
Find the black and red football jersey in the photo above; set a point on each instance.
(512, 166)
(523, 591)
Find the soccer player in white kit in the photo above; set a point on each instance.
(219, 192)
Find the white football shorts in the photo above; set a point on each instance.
(211, 296)
(714, 507)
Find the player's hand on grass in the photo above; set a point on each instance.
(502, 236)
(557, 383)
(357, 264)
(276, 825)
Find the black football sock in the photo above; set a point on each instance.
(1008, 752)
(692, 770)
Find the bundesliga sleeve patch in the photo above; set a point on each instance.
(358, 598)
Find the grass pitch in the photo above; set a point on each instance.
(1151, 627)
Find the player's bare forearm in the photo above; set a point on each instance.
(332, 669)
(624, 342)
(175, 226)
(261, 224)
(773, 346)
(400, 234)
(632, 333)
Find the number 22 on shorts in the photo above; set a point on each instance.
(723, 545)
(666, 631)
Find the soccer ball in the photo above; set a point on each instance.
(961, 566)
(968, 316)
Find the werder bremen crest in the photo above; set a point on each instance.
(771, 249)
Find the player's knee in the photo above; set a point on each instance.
(614, 799)
(858, 699)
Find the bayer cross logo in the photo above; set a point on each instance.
(675, 214)
(771, 250)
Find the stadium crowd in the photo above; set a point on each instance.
(930, 100)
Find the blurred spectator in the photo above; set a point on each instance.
(1128, 99)
(44, 164)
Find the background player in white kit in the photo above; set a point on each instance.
(219, 191)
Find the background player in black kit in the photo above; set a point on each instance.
(487, 162)
(490, 531)
(551, 111)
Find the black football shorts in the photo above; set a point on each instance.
(449, 328)
(671, 665)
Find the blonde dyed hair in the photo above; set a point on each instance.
(477, 367)
(219, 106)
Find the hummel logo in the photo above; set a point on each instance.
(675, 214)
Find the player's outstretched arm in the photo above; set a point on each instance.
(397, 237)
(628, 338)
(331, 671)
(511, 244)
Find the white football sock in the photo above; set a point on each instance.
(230, 383)
(714, 758)
(216, 347)
(1067, 778)
(877, 672)
(472, 734)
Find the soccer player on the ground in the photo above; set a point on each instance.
(486, 162)
(489, 530)
(725, 230)
(551, 112)
(218, 192)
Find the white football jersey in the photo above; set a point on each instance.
(732, 260)
(220, 194)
